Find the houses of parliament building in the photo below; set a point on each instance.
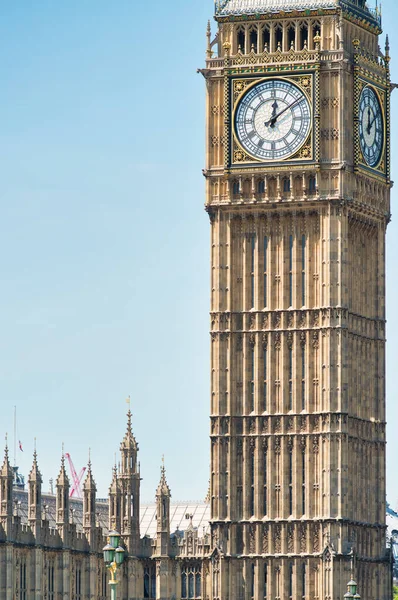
(298, 196)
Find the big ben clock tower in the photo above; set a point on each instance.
(298, 194)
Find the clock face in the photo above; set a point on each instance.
(273, 120)
(371, 130)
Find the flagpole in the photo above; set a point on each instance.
(15, 436)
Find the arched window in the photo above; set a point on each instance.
(291, 37)
(253, 39)
(241, 40)
(290, 580)
(235, 188)
(261, 186)
(191, 582)
(304, 36)
(312, 184)
(278, 37)
(286, 184)
(252, 479)
(266, 39)
(23, 588)
(150, 582)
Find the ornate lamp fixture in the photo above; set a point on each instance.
(114, 556)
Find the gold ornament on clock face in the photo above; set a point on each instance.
(273, 120)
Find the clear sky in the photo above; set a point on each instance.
(104, 241)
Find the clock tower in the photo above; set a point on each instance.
(298, 194)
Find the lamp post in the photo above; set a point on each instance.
(113, 557)
(352, 593)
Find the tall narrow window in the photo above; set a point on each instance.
(198, 584)
(252, 580)
(291, 270)
(235, 188)
(290, 580)
(253, 40)
(303, 279)
(191, 585)
(104, 585)
(303, 480)
(303, 390)
(261, 186)
(150, 583)
(265, 272)
(265, 490)
(290, 368)
(303, 579)
(241, 40)
(290, 483)
(252, 384)
(184, 585)
(252, 482)
(266, 39)
(78, 583)
(304, 37)
(22, 580)
(265, 377)
(286, 185)
(291, 37)
(253, 263)
(265, 582)
(50, 581)
(312, 185)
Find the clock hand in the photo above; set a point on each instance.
(273, 120)
(371, 124)
(369, 127)
(274, 109)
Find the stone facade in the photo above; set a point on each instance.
(51, 548)
(297, 488)
(297, 311)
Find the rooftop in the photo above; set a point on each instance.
(182, 514)
(257, 7)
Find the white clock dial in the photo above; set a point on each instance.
(371, 130)
(273, 120)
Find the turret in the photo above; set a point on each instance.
(89, 498)
(34, 489)
(62, 504)
(114, 503)
(129, 481)
(6, 483)
(163, 515)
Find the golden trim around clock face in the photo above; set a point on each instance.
(372, 126)
(272, 118)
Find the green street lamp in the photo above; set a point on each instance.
(114, 557)
(352, 593)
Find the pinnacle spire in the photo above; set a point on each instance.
(35, 474)
(89, 482)
(63, 478)
(163, 487)
(129, 441)
(6, 470)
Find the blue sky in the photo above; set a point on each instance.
(104, 240)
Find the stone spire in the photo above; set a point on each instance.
(35, 487)
(163, 487)
(163, 496)
(63, 486)
(129, 483)
(89, 499)
(114, 502)
(6, 496)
